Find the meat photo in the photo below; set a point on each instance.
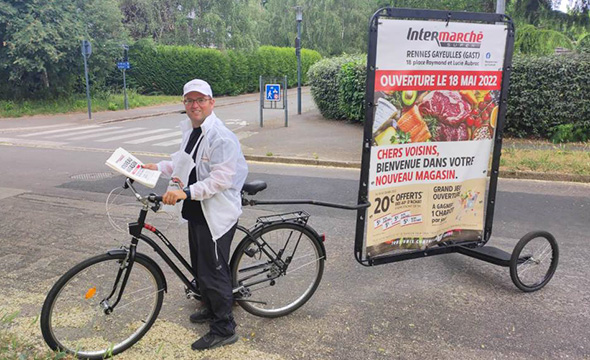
(448, 106)
(449, 133)
(437, 115)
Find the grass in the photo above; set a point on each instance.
(555, 160)
(78, 103)
(14, 347)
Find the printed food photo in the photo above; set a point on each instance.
(439, 115)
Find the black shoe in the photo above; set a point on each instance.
(211, 341)
(201, 316)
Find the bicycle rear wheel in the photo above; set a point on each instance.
(279, 271)
(74, 318)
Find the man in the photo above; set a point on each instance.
(212, 165)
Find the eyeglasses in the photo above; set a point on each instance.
(199, 101)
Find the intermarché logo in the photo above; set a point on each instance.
(468, 39)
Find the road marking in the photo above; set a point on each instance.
(108, 133)
(169, 143)
(30, 128)
(236, 122)
(60, 130)
(132, 135)
(152, 138)
(93, 131)
(244, 134)
(10, 192)
(31, 142)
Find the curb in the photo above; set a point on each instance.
(302, 161)
(505, 174)
(533, 175)
(165, 113)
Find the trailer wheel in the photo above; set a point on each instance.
(534, 261)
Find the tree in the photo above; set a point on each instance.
(41, 41)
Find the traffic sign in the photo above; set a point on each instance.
(123, 65)
(273, 92)
(86, 48)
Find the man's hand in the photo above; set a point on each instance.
(171, 197)
(150, 166)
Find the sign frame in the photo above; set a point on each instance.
(363, 195)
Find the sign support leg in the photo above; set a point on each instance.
(87, 88)
(125, 91)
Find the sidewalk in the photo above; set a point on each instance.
(309, 139)
(114, 116)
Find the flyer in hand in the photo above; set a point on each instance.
(128, 165)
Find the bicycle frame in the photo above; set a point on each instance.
(136, 228)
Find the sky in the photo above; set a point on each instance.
(563, 6)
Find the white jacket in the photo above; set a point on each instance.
(221, 173)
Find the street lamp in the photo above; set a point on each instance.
(299, 19)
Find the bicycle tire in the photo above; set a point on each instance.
(72, 316)
(288, 291)
(528, 259)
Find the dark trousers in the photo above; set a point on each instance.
(213, 274)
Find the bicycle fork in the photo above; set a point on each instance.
(124, 270)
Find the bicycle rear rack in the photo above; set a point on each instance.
(295, 216)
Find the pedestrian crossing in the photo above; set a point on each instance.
(162, 137)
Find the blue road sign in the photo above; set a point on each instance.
(273, 92)
(123, 65)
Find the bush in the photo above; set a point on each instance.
(532, 41)
(351, 91)
(324, 78)
(165, 69)
(549, 96)
(568, 133)
(584, 44)
(546, 92)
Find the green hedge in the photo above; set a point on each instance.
(325, 80)
(549, 96)
(547, 93)
(165, 69)
(541, 42)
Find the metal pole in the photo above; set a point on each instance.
(261, 101)
(500, 6)
(286, 103)
(125, 91)
(298, 50)
(87, 87)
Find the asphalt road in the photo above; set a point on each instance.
(52, 216)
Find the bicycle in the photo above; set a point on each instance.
(276, 268)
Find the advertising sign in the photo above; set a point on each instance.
(437, 94)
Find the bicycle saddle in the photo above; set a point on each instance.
(253, 187)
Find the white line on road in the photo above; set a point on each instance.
(93, 131)
(60, 130)
(108, 133)
(169, 143)
(132, 135)
(152, 138)
(31, 128)
(30, 142)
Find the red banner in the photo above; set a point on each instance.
(398, 80)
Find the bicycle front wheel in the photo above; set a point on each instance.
(75, 318)
(279, 270)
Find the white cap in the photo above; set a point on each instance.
(198, 85)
